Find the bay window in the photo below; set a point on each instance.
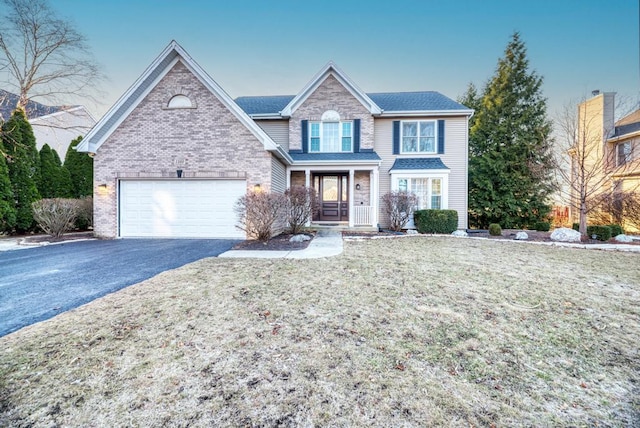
(427, 189)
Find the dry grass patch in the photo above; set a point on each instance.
(395, 332)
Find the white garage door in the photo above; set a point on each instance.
(180, 208)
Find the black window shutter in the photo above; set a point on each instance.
(356, 135)
(396, 137)
(305, 136)
(441, 137)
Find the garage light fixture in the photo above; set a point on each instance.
(102, 189)
(257, 188)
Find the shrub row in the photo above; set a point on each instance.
(614, 230)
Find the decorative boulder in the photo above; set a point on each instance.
(460, 233)
(623, 238)
(299, 238)
(521, 236)
(564, 234)
(412, 232)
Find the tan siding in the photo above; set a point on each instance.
(278, 130)
(455, 157)
(278, 176)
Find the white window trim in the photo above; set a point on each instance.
(443, 175)
(435, 137)
(340, 136)
(628, 156)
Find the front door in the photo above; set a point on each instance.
(334, 197)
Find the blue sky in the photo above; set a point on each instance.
(264, 47)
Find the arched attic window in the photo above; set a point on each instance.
(180, 101)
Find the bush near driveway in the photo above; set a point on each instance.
(395, 332)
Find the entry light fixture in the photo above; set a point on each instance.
(102, 189)
(257, 188)
(358, 186)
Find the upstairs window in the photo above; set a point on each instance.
(330, 135)
(418, 136)
(624, 153)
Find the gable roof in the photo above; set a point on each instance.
(329, 70)
(9, 101)
(390, 103)
(148, 80)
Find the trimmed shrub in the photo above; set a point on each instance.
(576, 226)
(542, 226)
(399, 206)
(302, 204)
(616, 229)
(436, 221)
(601, 233)
(495, 229)
(258, 212)
(55, 216)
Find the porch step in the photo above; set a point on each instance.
(338, 227)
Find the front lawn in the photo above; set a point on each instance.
(412, 331)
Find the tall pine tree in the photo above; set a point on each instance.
(7, 201)
(80, 167)
(54, 179)
(23, 165)
(510, 159)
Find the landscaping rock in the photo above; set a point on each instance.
(521, 236)
(460, 233)
(412, 232)
(623, 238)
(564, 234)
(300, 238)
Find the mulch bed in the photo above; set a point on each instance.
(277, 243)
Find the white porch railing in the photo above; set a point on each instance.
(362, 215)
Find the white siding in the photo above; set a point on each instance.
(454, 157)
(278, 130)
(278, 176)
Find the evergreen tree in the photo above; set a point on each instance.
(23, 166)
(54, 179)
(49, 172)
(510, 162)
(80, 167)
(7, 202)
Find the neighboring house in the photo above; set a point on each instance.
(611, 151)
(352, 147)
(56, 126)
(60, 128)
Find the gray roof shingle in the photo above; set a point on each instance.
(263, 105)
(387, 101)
(418, 163)
(414, 101)
(361, 156)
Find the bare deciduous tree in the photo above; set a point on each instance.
(587, 162)
(42, 55)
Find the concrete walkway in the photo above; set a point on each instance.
(327, 243)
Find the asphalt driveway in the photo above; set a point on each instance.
(38, 283)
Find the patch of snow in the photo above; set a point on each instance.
(299, 238)
(460, 233)
(623, 238)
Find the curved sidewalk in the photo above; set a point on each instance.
(327, 243)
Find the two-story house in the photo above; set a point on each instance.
(175, 152)
(605, 158)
